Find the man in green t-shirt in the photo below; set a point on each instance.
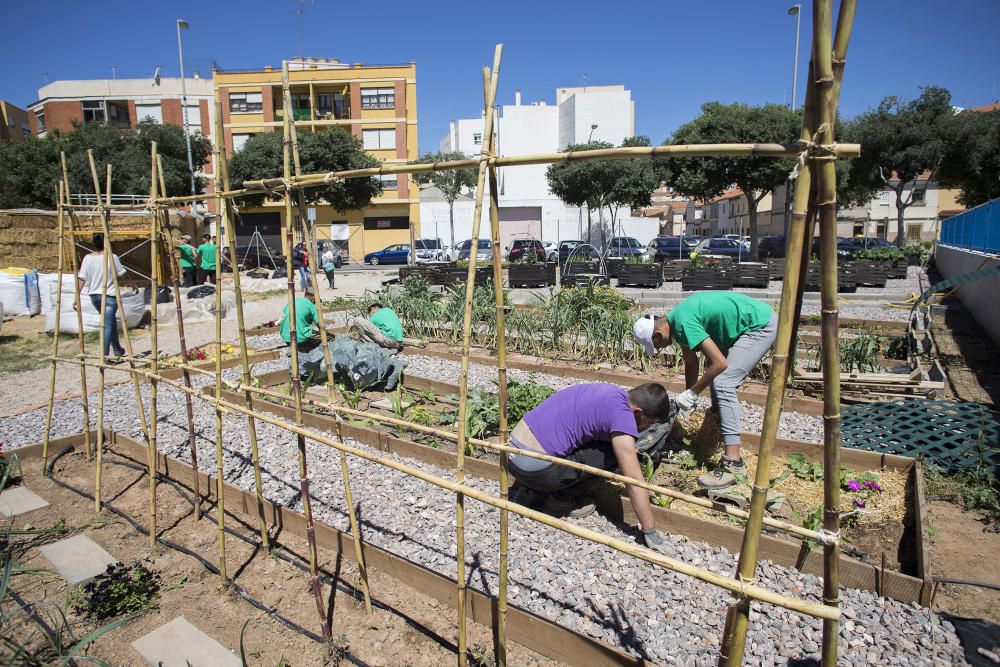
(306, 321)
(733, 331)
(382, 327)
(206, 257)
(188, 260)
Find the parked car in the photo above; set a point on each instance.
(567, 247)
(484, 249)
(664, 248)
(429, 250)
(771, 246)
(871, 242)
(522, 248)
(719, 245)
(624, 246)
(551, 252)
(846, 247)
(398, 253)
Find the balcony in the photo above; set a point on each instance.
(297, 114)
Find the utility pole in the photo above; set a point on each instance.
(183, 25)
(796, 11)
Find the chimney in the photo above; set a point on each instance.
(517, 97)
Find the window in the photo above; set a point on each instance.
(859, 230)
(300, 101)
(40, 119)
(389, 181)
(477, 138)
(883, 198)
(387, 222)
(93, 111)
(324, 103)
(246, 102)
(378, 98)
(913, 233)
(239, 140)
(149, 110)
(382, 139)
(193, 115)
(919, 197)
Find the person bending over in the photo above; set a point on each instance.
(733, 331)
(594, 424)
(306, 323)
(382, 327)
(207, 256)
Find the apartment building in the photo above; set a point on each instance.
(375, 103)
(14, 124)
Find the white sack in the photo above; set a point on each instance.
(133, 306)
(19, 291)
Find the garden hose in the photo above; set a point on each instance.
(271, 612)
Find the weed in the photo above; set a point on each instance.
(339, 649)
(122, 589)
(480, 656)
(422, 416)
(811, 472)
(976, 490)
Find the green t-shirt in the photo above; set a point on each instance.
(721, 316)
(305, 317)
(188, 259)
(388, 323)
(207, 252)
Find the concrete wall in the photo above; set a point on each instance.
(978, 296)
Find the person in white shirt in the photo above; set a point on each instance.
(329, 263)
(91, 271)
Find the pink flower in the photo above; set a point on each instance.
(854, 485)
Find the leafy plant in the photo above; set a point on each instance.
(811, 472)
(880, 254)
(483, 410)
(350, 396)
(422, 416)
(811, 521)
(122, 589)
(700, 261)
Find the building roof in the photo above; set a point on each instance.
(731, 194)
(995, 106)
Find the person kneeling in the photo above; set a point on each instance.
(594, 424)
(382, 327)
(306, 321)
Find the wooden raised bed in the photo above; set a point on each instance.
(460, 275)
(584, 279)
(590, 266)
(870, 273)
(847, 282)
(613, 266)
(531, 275)
(898, 269)
(776, 267)
(751, 274)
(706, 279)
(640, 275)
(673, 269)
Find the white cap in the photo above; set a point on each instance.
(642, 332)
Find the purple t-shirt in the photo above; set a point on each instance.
(581, 413)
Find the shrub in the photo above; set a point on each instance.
(122, 589)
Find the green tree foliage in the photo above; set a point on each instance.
(29, 170)
(971, 160)
(450, 183)
(611, 184)
(329, 150)
(900, 141)
(705, 178)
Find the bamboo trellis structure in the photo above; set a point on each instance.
(815, 194)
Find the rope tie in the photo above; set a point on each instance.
(330, 178)
(812, 150)
(829, 538)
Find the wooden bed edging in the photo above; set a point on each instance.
(854, 573)
(178, 373)
(531, 631)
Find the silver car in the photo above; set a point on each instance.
(484, 249)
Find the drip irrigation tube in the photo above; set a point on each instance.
(272, 612)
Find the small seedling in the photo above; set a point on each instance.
(339, 649)
(122, 589)
(811, 472)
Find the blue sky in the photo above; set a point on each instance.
(673, 55)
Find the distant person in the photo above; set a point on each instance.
(300, 261)
(188, 261)
(306, 323)
(207, 252)
(89, 279)
(382, 327)
(329, 263)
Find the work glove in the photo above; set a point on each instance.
(654, 540)
(686, 400)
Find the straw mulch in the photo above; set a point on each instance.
(700, 435)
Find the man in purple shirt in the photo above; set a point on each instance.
(593, 424)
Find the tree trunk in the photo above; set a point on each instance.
(589, 226)
(900, 218)
(451, 223)
(752, 203)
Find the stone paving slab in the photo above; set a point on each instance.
(181, 644)
(20, 500)
(78, 559)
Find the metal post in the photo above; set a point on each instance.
(187, 133)
(797, 11)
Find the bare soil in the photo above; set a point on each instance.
(417, 631)
(963, 548)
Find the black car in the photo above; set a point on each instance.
(846, 248)
(771, 246)
(526, 250)
(624, 246)
(567, 247)
(664, 248)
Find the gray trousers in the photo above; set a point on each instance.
(741, 358)
(366, 331)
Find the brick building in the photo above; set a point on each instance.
(13, 122)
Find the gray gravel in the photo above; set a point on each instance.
(663, 616)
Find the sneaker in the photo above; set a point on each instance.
(576, 508)
(722, 477)
(522, 495)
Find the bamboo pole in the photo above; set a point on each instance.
(504, 482)
(223, 167)
(154, 348)
(77, 299)
(731, 584)
(55, 330)
(105, 258)
(222, 206)
(293, 347)
(162, 220)
(463, 378)
(307, 233)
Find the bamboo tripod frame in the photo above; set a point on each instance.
(814, 193)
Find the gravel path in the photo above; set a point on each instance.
(665, 617)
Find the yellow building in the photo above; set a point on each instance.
(375, 103)
(13, 122)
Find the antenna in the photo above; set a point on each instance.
(114, 71)
(301, 11)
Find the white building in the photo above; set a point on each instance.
(527, 207)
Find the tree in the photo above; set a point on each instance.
(330, 150)
(29, 170)
(450, 183)
(971, 160)
(901, 143)
(705, 178)
(604, 184)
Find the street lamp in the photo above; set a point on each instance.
(183, 25)
(796, 11)
(591, 135)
